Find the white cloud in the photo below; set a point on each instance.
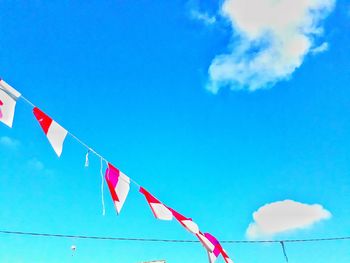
(282, 216)
(9, 142)
(203, 17)
(270, 40)
(321, 48)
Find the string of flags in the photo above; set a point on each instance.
(118, 183)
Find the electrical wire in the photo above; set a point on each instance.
(36, 234)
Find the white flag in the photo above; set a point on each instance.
(8, 98)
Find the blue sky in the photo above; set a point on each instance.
(132, 81)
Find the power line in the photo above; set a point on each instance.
(35, 234)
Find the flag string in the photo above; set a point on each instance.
(173, 240)
(88, 148)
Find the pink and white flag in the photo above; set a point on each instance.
(213, 247)
(8, 98)
(119, 186)
(206, 242)
(185, 222)
(159, 210)
(55, 133)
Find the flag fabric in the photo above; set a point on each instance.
(119, 186)
(8, 98)
(1, 104)
(213, 247)
(160, 211)
(211, 244)
(226, 257)
(55, 133)
(206, 242)
(185, 222)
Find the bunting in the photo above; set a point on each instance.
(8, 99)
(160, 211)
(186, 222)
(118, 183)
(119, 186)
(54, 132)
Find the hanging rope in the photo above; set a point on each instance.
(87, 158)
(284, 250)
(102, 187)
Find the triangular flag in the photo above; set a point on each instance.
(119, 186)
(211, 244)
(159, 210)
(8, 98)
(214, 249)
(185, 222)
(206, 242)
(55, 133)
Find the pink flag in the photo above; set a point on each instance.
(211, 244)
(8, 98)
(185, 222)
(159, 210)
(119, 186)
(214, 248)
(55, 133)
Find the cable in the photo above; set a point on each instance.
(168, 240)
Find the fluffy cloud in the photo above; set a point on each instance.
(270, 41)
(9, 142)
(282, 216)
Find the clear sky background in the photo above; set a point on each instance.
(131, 80)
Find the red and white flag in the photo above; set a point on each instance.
(212, 245)
(55, 133)
(226, 257)
(119, 186)
(8, 98)
(185, 222)
(159, 210)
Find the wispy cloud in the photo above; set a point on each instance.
(9, 142)
(282, 216)
(203, 17)
(320, 49)
(37, 166)
(270, 41)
